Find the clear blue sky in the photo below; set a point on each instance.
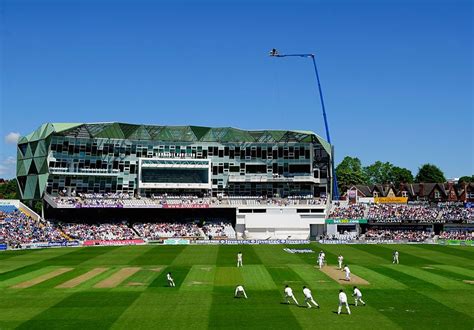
(397, 76)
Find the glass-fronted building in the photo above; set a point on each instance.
(145, 159)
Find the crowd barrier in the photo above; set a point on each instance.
(102, 242)
(252, 242)
(456, 242)
(181, 241)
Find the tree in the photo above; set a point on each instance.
(401, 175)
(379, 172)
(350, 172)
(37, 206)
(430, 173)
(9, 190)
(466, 179)
(382, 173)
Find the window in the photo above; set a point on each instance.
(404, 194)
(437, 195)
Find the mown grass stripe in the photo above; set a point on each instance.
(25, 275)
(284, 275)
(196, 255)
(178, 274)
(407, 256)
(414, 307)
(274, 255)
(199, 278)
(408, 280)
(143, 278)
(256, 277)
(228, 276)
(165, 309)
(448, 274)
(466, 252)
(458, 270)
(421, 273)
(157, 255)
(36, 280)
(455, 299)
(72, 258)
(227, 255)
(9, 254)
(376, 279)
(262, 310)
(22, 305)
(98, 310)
(41, 257)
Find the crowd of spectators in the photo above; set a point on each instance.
(17, 228)
(104, 231)
(218, 230)
(396, 234)
(269, 201)
(457, 213)
(402, 212)
(458, 235)
(352, 211)
(155, 231)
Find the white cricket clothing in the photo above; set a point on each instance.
(170, 280)
(289, 294)
(343, 302)
(347, 270)
(342, 297)
(240, 290)
(357, 293)
(309, 298)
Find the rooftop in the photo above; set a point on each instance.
(116, 130)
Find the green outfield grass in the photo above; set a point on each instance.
(426, 291)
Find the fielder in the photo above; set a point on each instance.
(343, 301)
(308, 297)
(340, 259)
(348, 272)
(239, 291)
(239, 259)
(395, 257)
(320, 262)
(170, 280)
(289, 294)
(358, 296)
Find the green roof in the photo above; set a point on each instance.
(126, 131)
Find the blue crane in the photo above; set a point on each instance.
(275, 53)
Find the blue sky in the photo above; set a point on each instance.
(397, 76)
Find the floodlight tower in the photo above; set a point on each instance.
(275, 53)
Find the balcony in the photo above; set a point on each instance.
(83, 171)
(272, 178)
